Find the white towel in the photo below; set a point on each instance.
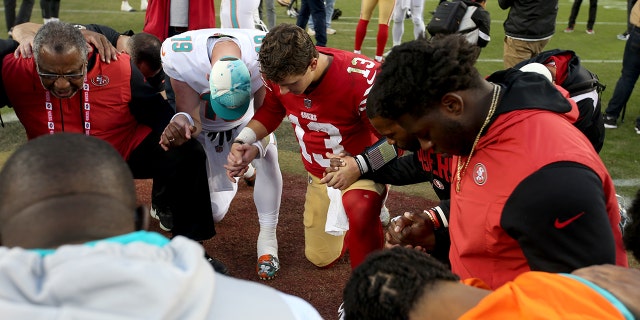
(218, 180)
(337, 221)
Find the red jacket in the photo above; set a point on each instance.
(109, 94)
(202, 15)
(515, 146)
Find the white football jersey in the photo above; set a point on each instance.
(186, 57)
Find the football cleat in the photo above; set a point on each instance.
(267, 267)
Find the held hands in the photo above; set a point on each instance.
(411, 230)
(238, 160)
(342, 171)
(177, 132)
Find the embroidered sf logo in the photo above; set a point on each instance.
(479, 174)
(438, 184)
(100, 80)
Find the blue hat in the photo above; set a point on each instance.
(230, 85)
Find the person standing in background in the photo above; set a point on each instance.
(384, 18)
(24, 15)
(50, 10)
(166, 18)
(126, 7)
(328, 8)
(399, 13)
(238, 14)
(271, 13)
(593, 8)
(628, 76)
(528, 28)
(315, 9)
(625, 35)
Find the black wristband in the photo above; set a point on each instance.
(238, 141)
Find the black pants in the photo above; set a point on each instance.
(50, 8)
(24, 15)
(315, 9)
(630, 4)
(593, 8)
(179, 184)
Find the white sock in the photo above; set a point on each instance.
(357, 51)
(378, 58)
(267, 242)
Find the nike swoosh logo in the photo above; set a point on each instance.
(370, 81)
(559, 225)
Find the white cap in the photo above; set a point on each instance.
(538, 68)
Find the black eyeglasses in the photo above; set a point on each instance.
(55, 76)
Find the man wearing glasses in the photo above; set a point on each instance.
(66, 87)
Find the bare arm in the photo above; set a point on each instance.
(621, 282)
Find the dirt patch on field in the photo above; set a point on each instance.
(235, 243)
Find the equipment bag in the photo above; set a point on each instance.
(447, 17)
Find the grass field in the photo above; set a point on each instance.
(601, 53)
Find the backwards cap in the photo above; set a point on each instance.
(230, 85)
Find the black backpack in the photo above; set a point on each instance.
(447, 17)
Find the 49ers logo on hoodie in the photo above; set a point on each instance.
(100, 80)
(479, 174)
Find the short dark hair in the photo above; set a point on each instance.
(632, 231)
(287, 50)
(145, 47)
(418, 73)
(389, 283)
(62, 164)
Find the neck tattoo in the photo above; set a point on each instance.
(461, 169)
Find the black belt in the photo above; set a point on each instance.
(178, 29)
(222, 137)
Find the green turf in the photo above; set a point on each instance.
(602, 53)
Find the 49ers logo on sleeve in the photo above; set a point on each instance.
(479, 174)
(100, 80)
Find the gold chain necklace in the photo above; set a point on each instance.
(461, 169)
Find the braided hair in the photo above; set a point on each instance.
(388, 283)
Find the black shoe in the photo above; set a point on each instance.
(165, 217)
(610, 122)
(217, 265)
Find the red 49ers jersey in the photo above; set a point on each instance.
(332, 118)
